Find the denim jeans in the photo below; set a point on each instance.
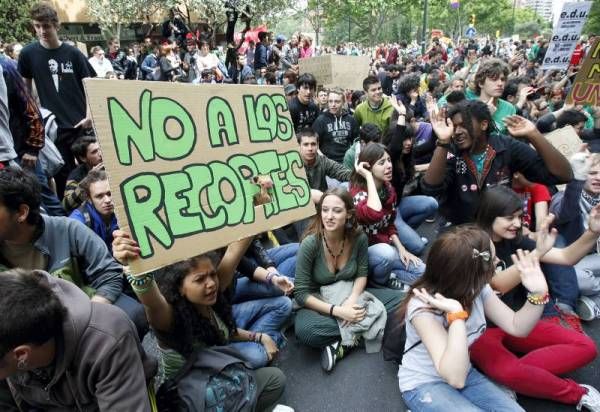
(262, 315)
(284, 257)
(50, 201)
(135, 311)
(410, 214)
(384, 259)
(479, 394)
(562, 283)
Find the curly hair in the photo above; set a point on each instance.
(492, 68)
(408, 83)
(191, 328)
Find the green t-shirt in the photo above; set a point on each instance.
(503, 109)
(312, 271)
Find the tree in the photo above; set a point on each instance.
(112, 15)
(14, 21)
(593, 22)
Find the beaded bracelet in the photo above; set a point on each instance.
(537, 299)
(141, 284)
(269, 278)
(252, 336)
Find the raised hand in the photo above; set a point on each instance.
(397, 105)
(438, 301)
(532, 277)
(519, 126)
(594, 219)
(546, 237)
(580, 163)
(363, 169)
(442, 126)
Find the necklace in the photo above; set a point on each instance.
(334, 256)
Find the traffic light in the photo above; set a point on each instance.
(472, 20)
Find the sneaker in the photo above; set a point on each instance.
(282, 408)
(424, 240)
(395, 283)
(587, 309)
(590, 400)
(330, 355)
(430, 220)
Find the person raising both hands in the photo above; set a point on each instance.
(446, 312)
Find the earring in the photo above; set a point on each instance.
(22, 364)
(349, 223)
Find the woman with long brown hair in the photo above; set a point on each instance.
(447, 312)
(390, 263)
(334, 250)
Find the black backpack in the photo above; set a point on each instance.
(394, 340)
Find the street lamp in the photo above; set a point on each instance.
(424, 31)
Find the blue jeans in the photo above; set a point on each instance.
(284, 257)
(563, 286)
(265, 316)
(384, 259)
(410, 214)
(479, 394)
(135, 311)
(50, 201)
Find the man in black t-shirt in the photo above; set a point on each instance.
(302, 108)
(58, 70)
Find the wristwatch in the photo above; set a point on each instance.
(446, 145)
(452, 316)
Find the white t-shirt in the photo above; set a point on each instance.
(417, 366)
(101, 66)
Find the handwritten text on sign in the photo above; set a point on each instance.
(183, 159)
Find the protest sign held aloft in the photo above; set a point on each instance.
(586, 88)
(566, 34)
(182, 162)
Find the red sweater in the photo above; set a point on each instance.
(379, 226)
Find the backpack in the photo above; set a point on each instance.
(231, 385)
(394, 340)
(49, 156)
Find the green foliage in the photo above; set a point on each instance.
(14, 21)
(593, 23)
(374, 21)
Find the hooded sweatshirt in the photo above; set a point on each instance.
(336, 134)
(99, 365)
(380, 116)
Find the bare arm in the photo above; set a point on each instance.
(449, 349)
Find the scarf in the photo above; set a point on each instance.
(586, 203)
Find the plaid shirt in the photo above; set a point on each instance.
(378, 225)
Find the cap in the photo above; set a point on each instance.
(280, 38)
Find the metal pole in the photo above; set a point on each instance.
(424, 31)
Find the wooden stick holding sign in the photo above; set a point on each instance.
(183, 162)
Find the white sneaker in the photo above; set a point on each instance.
(591, 400)
(587, 309)
(282, 408)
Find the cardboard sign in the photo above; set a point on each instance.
(181, 161)
(565, 35)
(586, 88)
(332, 70)
(565, 140)
(83, 48)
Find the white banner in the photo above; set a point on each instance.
(566, 35)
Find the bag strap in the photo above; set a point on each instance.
(414, 345)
